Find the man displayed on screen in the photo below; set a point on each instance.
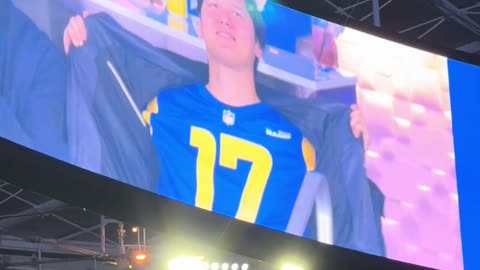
(237, 156)
(221, 148)
(32, 85)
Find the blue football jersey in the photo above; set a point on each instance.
(244, 162)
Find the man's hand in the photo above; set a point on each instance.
(359, 126)
(75, 33)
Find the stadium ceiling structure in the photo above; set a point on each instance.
(48, 231)
(39, 232)
(447, 27)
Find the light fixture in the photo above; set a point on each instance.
(389, 221)
(140, 258)
(424, 188)
(373, 154)
(290, 266)
(438, 172)
(405, 123)
(187, 263)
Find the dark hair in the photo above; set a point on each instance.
(256, 16)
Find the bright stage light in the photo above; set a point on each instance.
(187, 263)
(140, 258)
(215, 266)
(289, 266)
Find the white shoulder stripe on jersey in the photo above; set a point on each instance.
(126, 92)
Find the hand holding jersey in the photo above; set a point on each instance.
(75, 33)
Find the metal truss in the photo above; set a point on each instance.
(50, 207)
(462, 16)
(433, 22)
(73, 235)
(58, 252)
(466, 17)
(470, 10)
(376, 9)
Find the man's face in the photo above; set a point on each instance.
(228, 32)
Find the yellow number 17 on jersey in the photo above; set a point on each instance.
(231, 149)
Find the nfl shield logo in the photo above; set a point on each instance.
(228, 117)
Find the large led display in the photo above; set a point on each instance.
(244, 108)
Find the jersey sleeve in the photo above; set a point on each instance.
(308, 155)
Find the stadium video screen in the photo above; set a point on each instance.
(244, 108)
